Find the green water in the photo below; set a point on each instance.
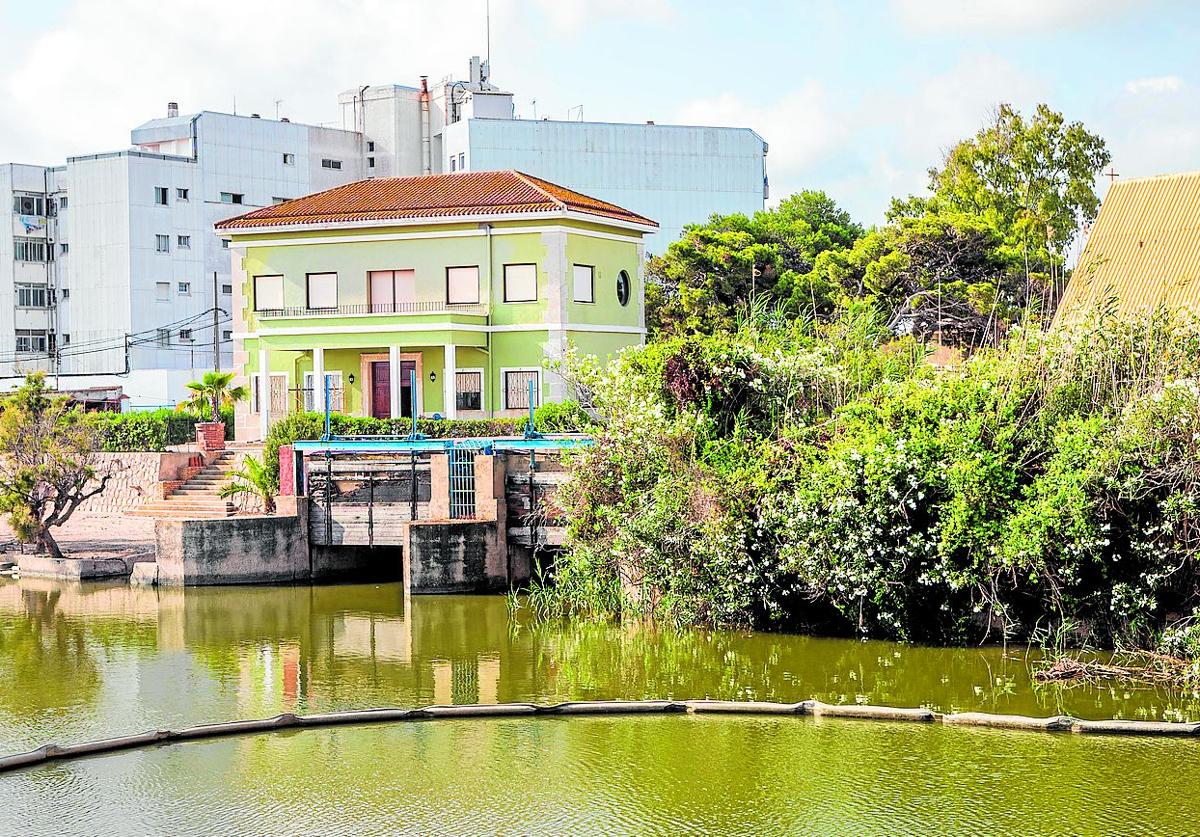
(81, 662)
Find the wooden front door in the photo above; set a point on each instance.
(381, 389)
(407, 367)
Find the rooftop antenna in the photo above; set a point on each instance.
(278, 102)
(235, 104)
(487, 14)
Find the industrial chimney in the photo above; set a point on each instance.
(172, 109)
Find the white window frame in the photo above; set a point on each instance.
(507, 297)
(162, 195)
(256, 390)
(289, 159)
(591, 283)
(181, 194)
(31, 334)
(162, 291)
(183, 242)
(462, 161)
(32, 290)
(162, 243)
(313, 400)
(257, 300)
(479, 370)
(450, 285)
(184, 288)
(308, 288)
(504, 370)
(238, 198)
(329, 163)
(32, 250)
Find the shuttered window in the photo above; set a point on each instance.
(462, 285)
(268, 293)
(520, 283)
(322, 291)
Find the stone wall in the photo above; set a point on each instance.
(136, 478)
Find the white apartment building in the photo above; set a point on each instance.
(112, 272)
(675, 174)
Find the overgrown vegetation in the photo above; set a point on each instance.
(983, 251)
(824, 475)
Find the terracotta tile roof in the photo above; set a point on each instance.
(1143, 251)
(442, 196)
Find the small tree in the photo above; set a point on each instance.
(48, 463)
(212, 392)
(252, 479)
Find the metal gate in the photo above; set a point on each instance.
(462, 481)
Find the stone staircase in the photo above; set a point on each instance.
(197, 497)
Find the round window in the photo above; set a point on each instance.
(623, 288)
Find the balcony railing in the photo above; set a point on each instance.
(376, 308)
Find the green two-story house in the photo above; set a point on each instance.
(466, 283)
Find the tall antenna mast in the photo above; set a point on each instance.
(487, 13)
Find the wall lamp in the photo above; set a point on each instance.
(432, 377)
(351, 378)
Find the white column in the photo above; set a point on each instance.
(394, 378)
(449, 382)
(264, 392)
(319, 379)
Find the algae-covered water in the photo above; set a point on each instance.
(79, 662)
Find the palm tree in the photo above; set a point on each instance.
(251, 479)
(212, 392)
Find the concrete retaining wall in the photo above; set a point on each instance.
(233, 550)
(455, 557)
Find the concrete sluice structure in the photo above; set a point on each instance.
(468, 516)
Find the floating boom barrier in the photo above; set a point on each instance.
(813, 708)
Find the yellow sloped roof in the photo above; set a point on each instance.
(1144, 250)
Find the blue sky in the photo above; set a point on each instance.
(857, 98)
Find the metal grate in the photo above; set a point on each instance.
(462, 481)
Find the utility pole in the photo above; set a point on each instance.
(216, 325)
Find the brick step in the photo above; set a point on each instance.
(183, 506)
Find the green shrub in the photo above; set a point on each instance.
(152, 430)
(561, 417)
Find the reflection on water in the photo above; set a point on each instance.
(84, 661)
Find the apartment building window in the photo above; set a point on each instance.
(160, 195)
(331, 164)
(322, 291)
(66, 341)
(62, 202)
(468, 390)
(32, 296)
(31, 250)
(584, 283)
(391, 290)
(453, 165)
(184, 242)
(185, 288)
(370, 162)
(185, 334)
(623, 288)
(162, 291)
(63, 248)
(164, 337)
(268, 293)
(66, 293)
(516, 388)
(462, 285)
(370, 145)
(29, 204)
(51, 207)
(232, 197)
(162, 243)
(462, 161)
(289, 159)
(226, 336)
(520, 283)
(32, 340)
(181, 194)
(224, 243)
(227, 289)
(276, 201)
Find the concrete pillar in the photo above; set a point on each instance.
(318, 379)
(449, 381)
(264, 392)
(439, 486)
(394, 370)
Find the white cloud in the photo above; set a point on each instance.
(1002, 16)
(571, 16)
(1156, 84)
(106, 67)
(801, 126)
